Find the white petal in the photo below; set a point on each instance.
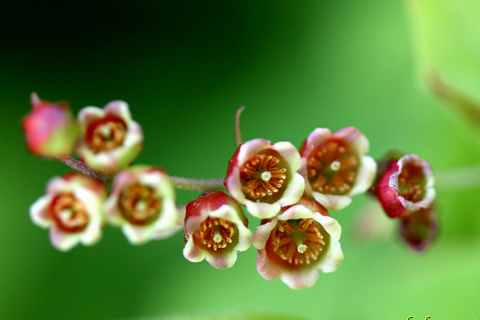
(39, 214)
(332, 202)
(262, 210)
(63, 241)
(365, 175)
(300, 279)
(192, 253)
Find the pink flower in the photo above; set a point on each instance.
(335, 166)
(72, 209)
(110, 140)
(215, 229)
(142, 203)
(50, 129)
(263, 176)
(297, 243)
(405, 186)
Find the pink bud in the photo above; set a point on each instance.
(50, 129)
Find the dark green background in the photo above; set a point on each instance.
(185, 67)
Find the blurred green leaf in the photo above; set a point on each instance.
(447, 36)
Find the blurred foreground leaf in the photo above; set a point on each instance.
(447, 36)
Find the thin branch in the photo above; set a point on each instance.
(238, 134)
(198, 184)
(78, 165)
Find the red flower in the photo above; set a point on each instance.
(405, 186)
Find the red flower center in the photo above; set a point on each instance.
(140, 205)
(332, 168)
(215, 233)
(263, 177)
(106, 133)
(295, 243)
(68, 213)
(411, 182)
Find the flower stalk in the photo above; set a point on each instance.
(78, 165)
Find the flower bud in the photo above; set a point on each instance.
(50, 128)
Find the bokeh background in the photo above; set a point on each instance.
(185, 67)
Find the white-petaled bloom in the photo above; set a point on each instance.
(110, 139)
(263, 176)
(72, 209)
(297, 243)
(142, 203)
(215, 229)
(335, 166)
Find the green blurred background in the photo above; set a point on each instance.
(185, 67)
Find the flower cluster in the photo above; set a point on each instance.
(288, 190)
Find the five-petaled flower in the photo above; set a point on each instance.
(263, 176)
(142, 203)
(110, 139)
(50, 129)
(405, 186)
(72, 209)
(215, 229)
(335, 166)
(298, 242)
